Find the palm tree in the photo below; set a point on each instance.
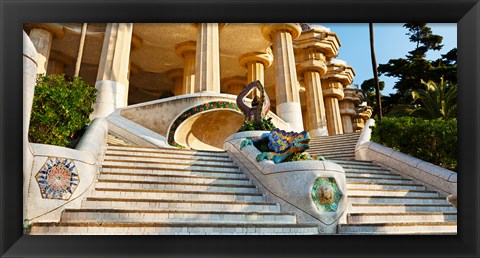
(375, 73)
(438, 100)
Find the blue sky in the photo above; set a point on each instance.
(391, 42)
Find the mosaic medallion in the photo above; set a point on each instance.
(325, 194)
(58, 179)
(195, 110)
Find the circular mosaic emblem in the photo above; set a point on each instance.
(325, 194)
(58, 179)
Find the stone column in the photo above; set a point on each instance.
(42, 36)
(347, 108)
(207, 66)
(314, 48)
(256, 63)
(234, 85)
(177, 76)
(187, 51)
(338, 76)
(112, 77)
(286, 88)
(363, 113)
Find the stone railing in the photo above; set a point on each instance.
(434, 177)
(60, 177)
(296, 186)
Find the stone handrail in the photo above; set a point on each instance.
(291, 184)
(434, 177)
(86, 157)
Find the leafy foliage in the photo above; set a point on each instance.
(434, 141)
(60, 110)
(253, 126)
(438, 100)
(369, 94)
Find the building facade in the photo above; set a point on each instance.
(132, 63)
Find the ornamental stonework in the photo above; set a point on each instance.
(58, 179)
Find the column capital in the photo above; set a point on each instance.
(188, 46)
(293, 28)
(321, 39)
(332, 89)
(352, 95)
(234, 84)
(56, 29)
(256, 57)
(338, 70)
(312, 65)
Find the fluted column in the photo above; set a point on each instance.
(256, 63)
(347, 108)
(177, 76)
(113, 69)
(286, 88)
(207, 67)
(339, 75)
(187, 51)
(332, 92)
(42, 36)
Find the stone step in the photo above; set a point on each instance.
(389, 208)
(369, 218)
(368, 171)
(177, 195)
(179, 157)
(176, 186)
(362, 167)
(174, 172)
(402, 192)
(332, 146)
(125, 165)
(99, 228)
(170, 160)
(353, 162)
(328, 158)
(400, 228)
(174, 216)
(135, 177)
(166, 204)
(168, 150)
(372, 175)
(363, 186)
(396, 199)
(332, 153)
(379, 181)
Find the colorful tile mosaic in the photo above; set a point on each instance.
(195, 110)
(325, 194)
(58, 179)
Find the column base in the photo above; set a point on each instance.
(110, 96)
(291, 112)
(318, 132)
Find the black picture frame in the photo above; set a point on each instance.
(466, 13)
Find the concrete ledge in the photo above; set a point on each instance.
(134, 132)
(86, 156)
(434, 177)
(290, 184)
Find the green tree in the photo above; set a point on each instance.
(437, 100)
(369, 94)
(414, 68)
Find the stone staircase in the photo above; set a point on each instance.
(144, 190)
(383, 202)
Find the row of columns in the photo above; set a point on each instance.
(201, 71)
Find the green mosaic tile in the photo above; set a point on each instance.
(325, 194)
